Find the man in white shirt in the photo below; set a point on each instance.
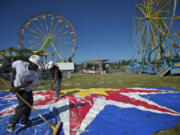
(27, 73)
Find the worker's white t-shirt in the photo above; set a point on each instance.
(23, 74)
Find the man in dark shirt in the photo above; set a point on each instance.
(57, 77)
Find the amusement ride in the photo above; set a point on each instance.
(44, 34)
(156, 35)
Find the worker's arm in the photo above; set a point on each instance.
(55, 77)
(5, 66)
(15, 89)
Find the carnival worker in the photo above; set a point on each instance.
(57, 78)
(27, 74)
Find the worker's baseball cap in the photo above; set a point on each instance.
(51, 64)
(36, 60)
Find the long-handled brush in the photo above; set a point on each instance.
(54, 128)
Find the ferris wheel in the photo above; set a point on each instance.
(156, 29)
(50, 33)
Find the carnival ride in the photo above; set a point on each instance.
(44, 34)
(12, 54)
(50, 33)
(156, 35)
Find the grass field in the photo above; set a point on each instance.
(117, 80)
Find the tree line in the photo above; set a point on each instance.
(120, 64)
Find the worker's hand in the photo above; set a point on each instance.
(52, 86)
(14, 89)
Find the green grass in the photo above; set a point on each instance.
(115, 80)
(118, 80)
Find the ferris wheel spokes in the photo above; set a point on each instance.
(45, 32)
(57, 52)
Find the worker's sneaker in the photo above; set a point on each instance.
(57, 97)
(10, 128)
(29, 122)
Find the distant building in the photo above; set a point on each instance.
(95, 66)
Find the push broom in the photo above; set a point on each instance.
(54, 128)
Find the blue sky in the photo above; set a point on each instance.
(103, 27)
